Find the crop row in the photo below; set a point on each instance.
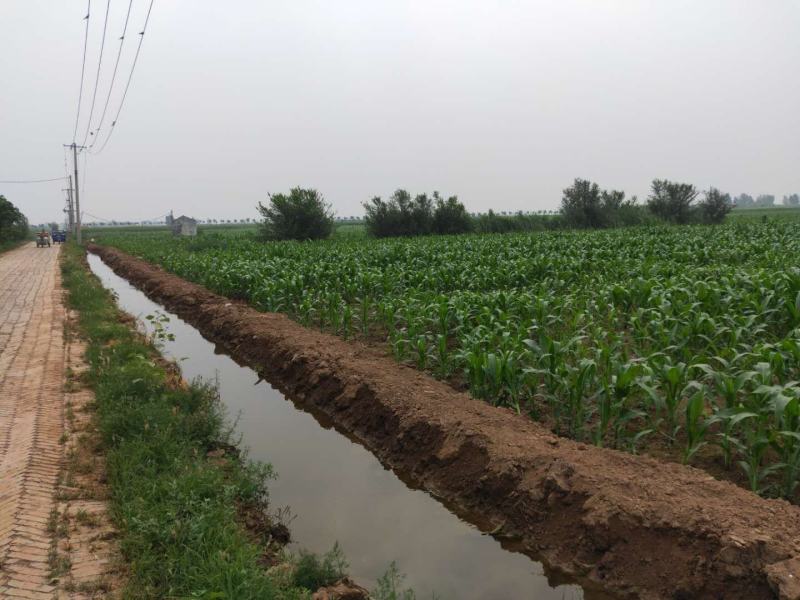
(686, 338)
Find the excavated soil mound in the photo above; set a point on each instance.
(638, 526)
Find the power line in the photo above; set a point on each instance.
(113, 75)
(83, 69)
(130, 76)
(34, 180)
(88, 214)
(97, 78)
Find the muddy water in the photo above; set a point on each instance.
(337, 490)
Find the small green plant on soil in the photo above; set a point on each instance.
(390, 586)
(313, 572)
(160, 333)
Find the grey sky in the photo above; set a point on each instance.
(500, 102)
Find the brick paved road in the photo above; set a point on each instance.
(31, 416)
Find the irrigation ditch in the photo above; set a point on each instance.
(629, 524)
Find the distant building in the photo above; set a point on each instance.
(183, 225)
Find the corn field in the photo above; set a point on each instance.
(685, 338)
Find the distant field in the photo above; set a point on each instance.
(340, 229)
(777, 212)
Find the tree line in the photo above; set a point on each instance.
(764, 201)
(13, 224)
(304, 214)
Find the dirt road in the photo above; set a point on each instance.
(32, 364)
(35, 561)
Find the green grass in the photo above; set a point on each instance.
(10, 245)
(176, 511)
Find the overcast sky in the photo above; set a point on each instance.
(500, 102)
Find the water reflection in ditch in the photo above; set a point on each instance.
(337, 490)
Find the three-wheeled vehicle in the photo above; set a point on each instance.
(42, 239)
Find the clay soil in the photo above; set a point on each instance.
(638, 526)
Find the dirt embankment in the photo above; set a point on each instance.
(638, 526)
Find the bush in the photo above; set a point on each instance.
(581, 205)
(491, 222)
(13, 224)
(715, 206)
(672, 201)
(402, 216)
(765, 201)
(312, 572)
(584, 204)
(301, 215)
(450, 216)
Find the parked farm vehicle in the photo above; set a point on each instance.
(42, 239)
(59, 237)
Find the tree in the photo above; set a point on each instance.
(581, 204)
(715, 206)
(584, 204)
(399, 216)
(450, 216)
(302, 214)
(765, 201)
(421, 215)
(744, 201)
(792, 200)
(671, 201)
(13, 224)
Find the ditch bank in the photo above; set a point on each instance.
(637, 526)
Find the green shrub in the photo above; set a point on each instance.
(672, 201)
(715, 206)
(491, 222)
(450, 216)
(13, 224)
(312, 572)
(302, 214)
(402, 216)
(585, 205)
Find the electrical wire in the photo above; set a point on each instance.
(130, 76)
(97, 78)
(113, 75)
(83, 68)
(34, 180)
(88, 214)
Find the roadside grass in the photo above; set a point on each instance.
(175, 510)
(10, 245)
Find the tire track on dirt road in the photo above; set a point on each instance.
(31, 417)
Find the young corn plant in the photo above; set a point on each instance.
(727, 440)
(611, 405)
(696, 423)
